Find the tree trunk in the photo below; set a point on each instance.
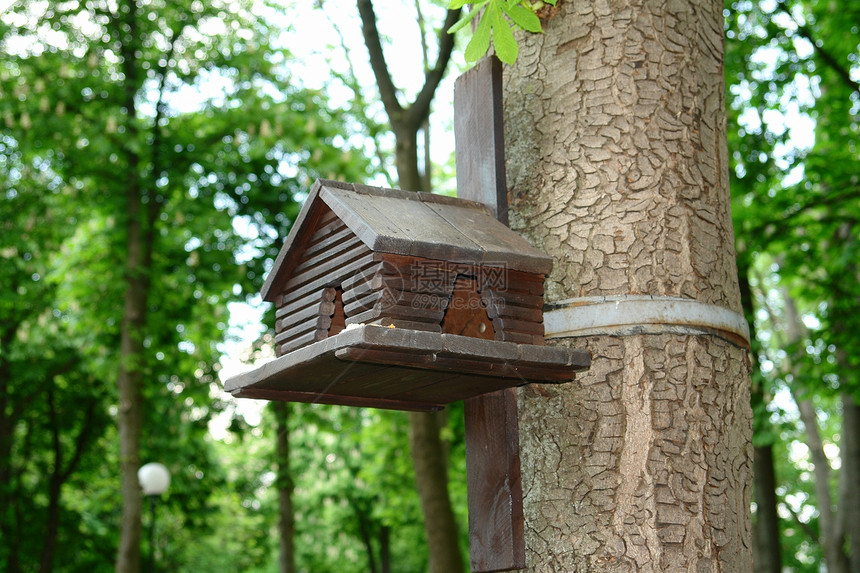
(8, 529)
(427, 450)
(766, 550)
(286, 519)
(130, 382)
(55, 485)
(831, 544)
(139, 224)
(850, 477)
(431, 476)
(830, 536)
(617, 167)
(385, 549)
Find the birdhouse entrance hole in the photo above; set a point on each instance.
(466, 313)
(338, 317)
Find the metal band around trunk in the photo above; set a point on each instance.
(636, 314)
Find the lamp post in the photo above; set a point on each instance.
(154, 479)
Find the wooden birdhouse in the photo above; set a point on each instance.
(403, 300)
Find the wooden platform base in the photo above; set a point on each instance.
(403, 369)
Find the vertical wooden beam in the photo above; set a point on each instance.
(479, 137)
(496, 537)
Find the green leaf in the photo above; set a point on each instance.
(463, 21)
(457, 4)
(503, 39)
(523, 17)
(480, 42)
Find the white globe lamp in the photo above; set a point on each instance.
(154, 478)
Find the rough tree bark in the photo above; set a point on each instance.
(617, 167)
(430, 463)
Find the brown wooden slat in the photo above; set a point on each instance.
(375, 268)
(331, 268)
(296, 319)
(327, 295)
(324, 257)
(358, 265)
(309, 338)
(520, 337)
(327, 217)
(334, 236)
(518, 281)
(396, 312)
(365, 317)
(316, 323)
(512, 325)
(516, 312)
(518, 299)
(421, 274)
(367, 302)
(326, 224)
(367, 284)
(432, 301)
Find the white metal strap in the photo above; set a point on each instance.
(635, 314)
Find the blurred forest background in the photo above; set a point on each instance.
(152, 157)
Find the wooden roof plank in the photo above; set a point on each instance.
(501, 246)
(400, 218)
(373, 226)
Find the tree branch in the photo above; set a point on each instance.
(803, 525)
(420, 109)
(82, 441)
(349, 79)
(829, 59)
(387, 91)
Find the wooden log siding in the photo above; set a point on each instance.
(515, 305)
(311, 298)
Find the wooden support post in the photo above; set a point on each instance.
(496, 537)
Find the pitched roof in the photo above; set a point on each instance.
(408, 223)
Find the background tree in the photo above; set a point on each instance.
(162, 204)
(428, 452)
